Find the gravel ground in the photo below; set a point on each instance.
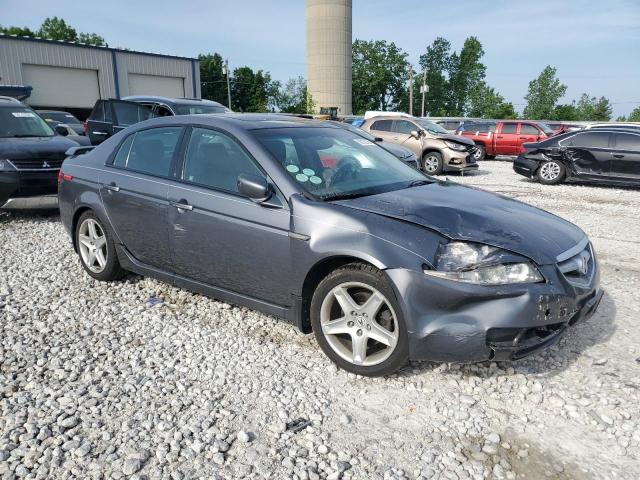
(138, 379)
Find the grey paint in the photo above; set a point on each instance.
(264, 254)
(107, 62)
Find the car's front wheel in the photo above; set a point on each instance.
(432, 163)
(358, 322)
(480, 153)
(96, 248)
(551, 172)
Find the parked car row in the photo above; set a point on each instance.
(314, 223)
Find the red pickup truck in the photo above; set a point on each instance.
(503, 137)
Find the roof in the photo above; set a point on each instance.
(10, 101)
(177, 101)
(84, 45)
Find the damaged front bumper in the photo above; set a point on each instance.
(461, 322)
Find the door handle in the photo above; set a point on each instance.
(499, 136)
(99, 133)
(181, 205)
(112, 187)
(617, 155)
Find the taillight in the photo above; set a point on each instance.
(64, 176)
(59, 177)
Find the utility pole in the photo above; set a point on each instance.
(226, 70)
(410, 88)
(424, 88)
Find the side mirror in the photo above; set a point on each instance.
(415, 134)
(378, 139)
(258, 190)
(62, 130)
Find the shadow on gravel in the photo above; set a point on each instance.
(9, 215)
(550, 362)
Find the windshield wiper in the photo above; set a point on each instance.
(419, 183)
(345, 196)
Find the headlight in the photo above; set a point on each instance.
(455, 146)
(6, 165)
(483, 265)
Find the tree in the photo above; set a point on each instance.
(253, 91)
(294, 97)
(379, 75)
(436, 61)
(485, 102)
(57, 29)
(543, 95)
(465, 73)
(567, 111)
(213, 83)
(92, 39)
(592, 108)
(634, 116)
(18, 31)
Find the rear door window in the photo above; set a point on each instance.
(98, 111)
(627, 141)
(149, 151)
(129, 113)
(509, 127)
(382, 125)
(588, 140)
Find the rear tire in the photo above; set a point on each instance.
(96, 249)
(432, 163)
(358, 322)
(551, 172)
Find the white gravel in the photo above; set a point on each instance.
(95, 382)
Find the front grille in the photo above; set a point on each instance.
(37, 163)
(579, 268)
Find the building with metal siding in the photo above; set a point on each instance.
(73, 76)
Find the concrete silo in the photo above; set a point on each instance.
(329, 54)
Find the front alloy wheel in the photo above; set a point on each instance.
(432, 163)
(357, 321)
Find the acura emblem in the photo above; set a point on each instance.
(45, 164)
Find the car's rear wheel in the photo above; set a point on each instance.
(358, 322)
(96, 249)
(432, 163)
(551, 172)
(480, 153)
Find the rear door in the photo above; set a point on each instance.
(589, 152)
(100, 122)
(128, 113)
(110, 116)
(625, 156)
(401, 130)
(506, 139)
(134, 193)
(382, 129)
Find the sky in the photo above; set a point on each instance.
(594, 44)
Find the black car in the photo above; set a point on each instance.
(57, 117)
(110, 116)
(597, 155)
(383, 263)
(30, 153)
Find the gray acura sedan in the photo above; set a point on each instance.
(326, 229)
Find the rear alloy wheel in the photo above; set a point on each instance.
(96, 249)
(432, 163)
(551, 172)
(357, 321)
(480, 153)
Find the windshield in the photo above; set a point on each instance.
(431, 127)
(331, 163)
(200, 109)
(62, 117)
(546, 128)
(22, 122)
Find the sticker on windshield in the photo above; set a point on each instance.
(293, 168)
(315, 180)
(308, 172)
(301, 177)
(363, 141)
(23, 114)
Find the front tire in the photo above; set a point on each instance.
(96, 249)
(480, 153)
(358, 322)
(432, 163)
(551, 172)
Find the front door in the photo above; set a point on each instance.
(134, 192)
(528, 134)
(506, 138)
(589, 152)
(219, 237)
(402, 135)
(625, 156)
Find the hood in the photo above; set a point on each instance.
(456, 138)
(35, 147)
(465, 213)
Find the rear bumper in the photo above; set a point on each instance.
(525, 166)
(23, 184)
(457, 322)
